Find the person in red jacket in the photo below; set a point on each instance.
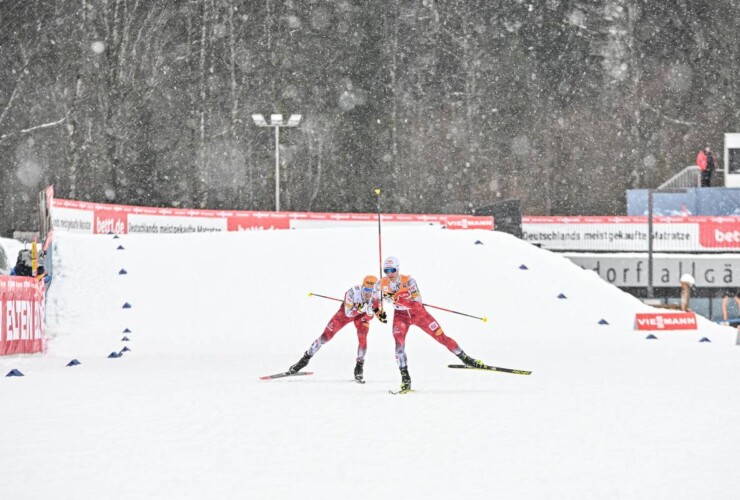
(409, 310)
(361, 304)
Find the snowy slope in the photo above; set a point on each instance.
(11, 248)
(606, 413)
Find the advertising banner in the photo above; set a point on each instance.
(665, 321)
(702, 234)
(630, 234)
(21, 315)
(100, 218)
(631, 269)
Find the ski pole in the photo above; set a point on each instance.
(323, 296)
(380, 247)
(483, 319)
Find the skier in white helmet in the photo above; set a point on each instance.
(403, 291)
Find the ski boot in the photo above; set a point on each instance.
(405, 380)
(468, 361)
(359, 376)
(300, 364)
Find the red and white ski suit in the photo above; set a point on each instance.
(409, 310)
(354, 309)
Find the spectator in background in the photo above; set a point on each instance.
(24, 264)
(687, 281)
(707, 163)
(725, 298)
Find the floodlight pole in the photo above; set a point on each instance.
(651, 192)
(650, 245)
(276, 121)
(277, 168)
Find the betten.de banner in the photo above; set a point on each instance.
(21, 315)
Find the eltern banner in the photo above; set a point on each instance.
(21, 315)
(665, 321)
(100, 218)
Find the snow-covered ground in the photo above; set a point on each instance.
(10, 248)
(606, 414)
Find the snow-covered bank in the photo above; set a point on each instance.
(606, 413)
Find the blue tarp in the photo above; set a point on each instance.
(695, 201)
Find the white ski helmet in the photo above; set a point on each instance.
(391, 263)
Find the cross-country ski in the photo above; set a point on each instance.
(284, 374)
(492, 369)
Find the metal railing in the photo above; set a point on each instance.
(691, 177)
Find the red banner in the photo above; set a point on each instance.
(21, 315)
(722, 233)
(665, 321)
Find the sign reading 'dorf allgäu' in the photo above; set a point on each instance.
(631, 270)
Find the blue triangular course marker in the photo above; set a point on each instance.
(478, 242)
(523, 267)
(115, 355)
(115, 236)
(603, 322)
(120, 247)
(127, 331)
(562, 296)
(122, 271)
(74, 362)
(15, 373)
(125, 349)
(126, 306)
(125, 339)
(704, 339)
(651, 336)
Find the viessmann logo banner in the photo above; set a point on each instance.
(99, 218)
(665, 321)
(630, 234)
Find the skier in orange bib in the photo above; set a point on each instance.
(361, 303)
(403, 291)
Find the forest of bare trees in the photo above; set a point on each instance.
(446, 105)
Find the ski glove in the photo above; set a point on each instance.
(382, 316)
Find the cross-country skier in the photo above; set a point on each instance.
(361, 303)
(409, 310)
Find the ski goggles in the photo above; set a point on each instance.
(366, 289)
(389, 270)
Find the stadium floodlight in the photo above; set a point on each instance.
(276, 121)
(259, 120)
